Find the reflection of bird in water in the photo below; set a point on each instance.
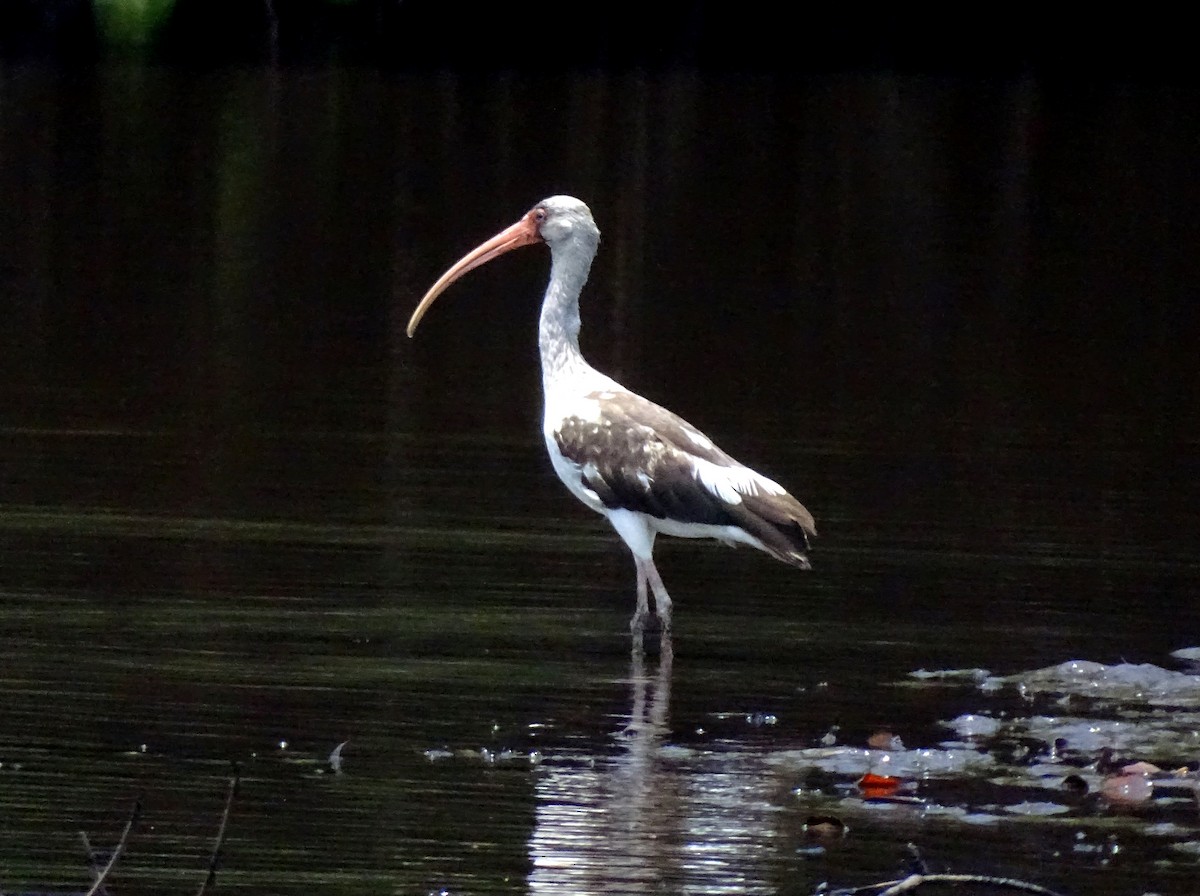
(648, 713)
(645, 469)
(616, 827)
(654, 817)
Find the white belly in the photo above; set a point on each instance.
(725, 534)
(566, 402)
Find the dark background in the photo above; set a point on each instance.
(756, 37)
(936, 275)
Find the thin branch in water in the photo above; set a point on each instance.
(211, 877)
(98, 884)
(335, 758)
(919, 874)
(915, 880)
(910, 883)
(94, 862)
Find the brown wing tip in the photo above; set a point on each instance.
(806, 522)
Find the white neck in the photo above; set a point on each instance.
(558, 328)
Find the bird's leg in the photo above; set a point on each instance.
(642, 613)
(662, 600)
(639, 538)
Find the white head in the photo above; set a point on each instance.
(561, 217)
(558, 221)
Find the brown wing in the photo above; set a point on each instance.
(639, 456)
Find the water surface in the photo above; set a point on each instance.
(244, 520)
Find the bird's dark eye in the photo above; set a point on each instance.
(539, 215)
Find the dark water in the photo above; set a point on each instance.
(244, 519)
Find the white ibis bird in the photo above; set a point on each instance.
(645, 469)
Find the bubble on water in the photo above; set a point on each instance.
(760, 719)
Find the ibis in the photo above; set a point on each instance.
(648, 471)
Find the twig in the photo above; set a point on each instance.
(98, 884)
(93, 860)
(335, 758)
(213, 862)
(915, 880)
(919, 874)
(910, 883)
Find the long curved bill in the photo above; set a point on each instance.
(523, 233)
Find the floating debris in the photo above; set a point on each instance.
(1037, 808)
(1188, 655)
(1075, 784)
(1129, 743)
(974, 726)
(486, 755)
(1127, 789)
(825, 827)
(335, 758)
(909, 764)
(874, 786)
(885, 740)
(951, 675)
(1139, 682)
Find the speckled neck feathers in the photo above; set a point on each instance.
(558, 328)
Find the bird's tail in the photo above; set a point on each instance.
(781, 523)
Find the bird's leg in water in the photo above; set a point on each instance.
(648, 575)
(638, 623)
(662, 600)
